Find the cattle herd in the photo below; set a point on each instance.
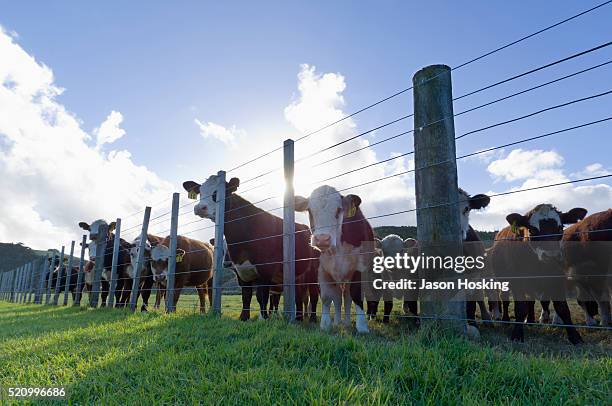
(334, 256)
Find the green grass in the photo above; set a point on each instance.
(109, 356)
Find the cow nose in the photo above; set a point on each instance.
(322, 241)
(200, 210)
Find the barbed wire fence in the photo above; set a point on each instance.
(44, 280)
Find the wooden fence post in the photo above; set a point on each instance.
(41, 282)
(438, 219)
(100, 242)
(68, 274)
(11, 286)
(81, 275)
(172, 258)
(141, 259)
(289, 234)
(22, 279)
(27, 276)
(219, 253)
(116, 248)
(49, 279)
(32, 283)
(58, 278)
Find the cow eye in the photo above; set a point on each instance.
(214, 196)
(466, 210)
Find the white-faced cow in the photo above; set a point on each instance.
(255, 244)
(146, 275)
(587, 252)
(346, 241)
(529, 252)
(124, 281)
(194, 266)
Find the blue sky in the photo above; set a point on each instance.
(162, 65)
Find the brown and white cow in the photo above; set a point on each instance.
(255, 244)
(194, 266)
(529, 252)
(587, 252)
(346, 241)
(146, 275)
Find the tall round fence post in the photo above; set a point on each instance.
(32, 280)
(438, 217)
(81, 275)
(170, 281)
(113, 278)
(219, 253)
(289, 233)
(41, 283)
(18, 284)
(49, 279)
(28, 282)
(58, 278)
(68, 274)
(141, 259)
(12, 285)
(96, 284)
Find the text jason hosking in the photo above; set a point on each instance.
(401, 263)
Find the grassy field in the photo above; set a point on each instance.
(115, 357)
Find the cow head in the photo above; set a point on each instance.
(326, 211)
(393, 244)
(207, 206)
(135, 249)
(159, 261)
(96, 228)
(542, 226)
(468, 203)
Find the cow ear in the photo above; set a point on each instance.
(232, 185)
(353, 199)
(191, 186)
(111, 226)
(301, 203)
(410, 243)
(517, 220)
(378, 243)
(479, 201)
(573, 216)
(212, 242)
(84, 225)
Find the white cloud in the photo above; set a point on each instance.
(225, 135)
(109, 131)
(50, 177)
(520, 164)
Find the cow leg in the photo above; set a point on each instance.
(346, 299)
(372, 309)
(104, 286)
(521, 307)
(563, 311)
(145, 290)
(531, 311)
(209, 285)
(127, 292)
(470, 312)
(158, 296)
(202, 294)
(263, 294)
(388, 308)
(587, 307)
(329, 293)
(177, 294)
(604, 311)
(484, 313)
(313, 293)
(545, 315)
(360, 319)
(411, 307)
(247, 296)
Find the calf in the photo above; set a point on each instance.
(194, 266)
(346, 241)
(530, 248)
(123, 288)
(255, 244)
(146, 275)
(588, 260)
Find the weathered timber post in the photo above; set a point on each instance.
(58, 278)
(32, 284)
(438, 218)
(81, 275)
(219, 254)
(49, 279)
(170, 280)
(41, 283)
(141, 258)
(113, 278)
(289, 233)
(96, 284)
(68, 274)
(12, 284)
(17, 284)
(27, 282)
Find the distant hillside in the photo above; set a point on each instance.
(14, 255)
(411, 232)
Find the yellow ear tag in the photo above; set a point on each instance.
(351, 211)
(514, 228)
(193, 195)
(179, 258)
